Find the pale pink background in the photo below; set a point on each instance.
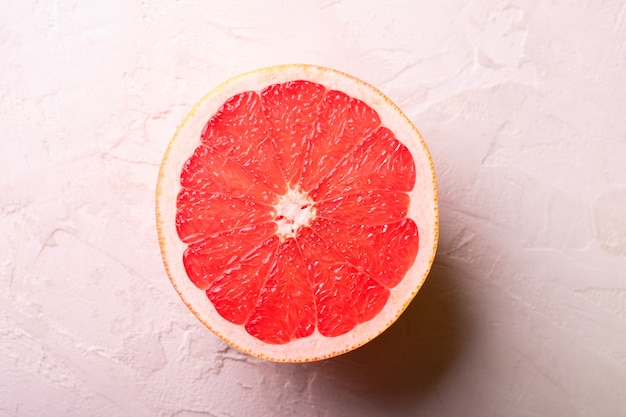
(522, 104)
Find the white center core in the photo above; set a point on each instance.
(293, 211)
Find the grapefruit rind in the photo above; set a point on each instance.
(423, 210)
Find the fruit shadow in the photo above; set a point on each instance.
(408, 360)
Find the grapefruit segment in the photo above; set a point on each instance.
(291, 110)
(385, 252)
(344, 297)
(285, 309)
(207, 169)
(239, 131)
(380, 162)
(235, 293)
(343, 123)
(202, 213)
(206, 260)
(374, 207)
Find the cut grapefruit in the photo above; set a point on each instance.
(297, 212)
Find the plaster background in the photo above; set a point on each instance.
(522, 105)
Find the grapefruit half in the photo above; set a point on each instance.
(297, 212)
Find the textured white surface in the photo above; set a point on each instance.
(522, 104)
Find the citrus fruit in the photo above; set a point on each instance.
(297, 212)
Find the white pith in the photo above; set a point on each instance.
(293, 211)
(423, 210)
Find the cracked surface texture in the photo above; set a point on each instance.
(521, 104)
